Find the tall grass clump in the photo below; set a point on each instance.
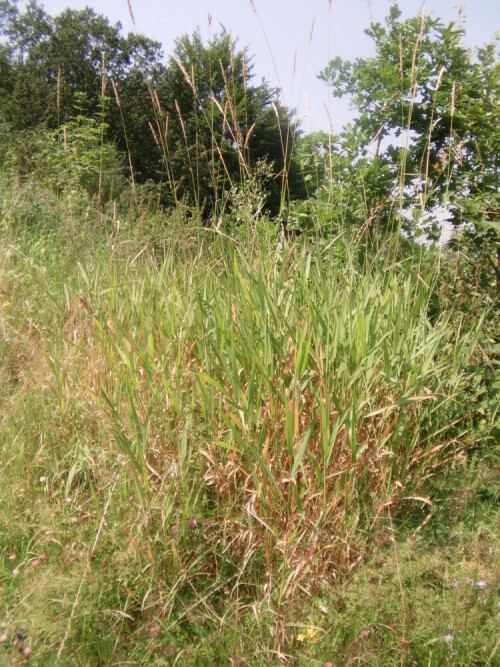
(284, 405)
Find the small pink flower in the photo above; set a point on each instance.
(154, 630)
(173, 530)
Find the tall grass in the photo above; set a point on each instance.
(302, 394)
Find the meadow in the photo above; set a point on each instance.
(213, 454)
(241, 436)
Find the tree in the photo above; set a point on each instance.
(7, 77)
(428, 120)
(23, 30)
(220, 124)
(198, 122)
(53, 59)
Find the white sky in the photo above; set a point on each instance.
(282, 27)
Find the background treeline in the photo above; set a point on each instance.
(82, 101)
(196, 121)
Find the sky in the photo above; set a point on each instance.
(291, 40)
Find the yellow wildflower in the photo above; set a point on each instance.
(311, 634)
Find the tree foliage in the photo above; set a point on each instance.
(427, 120)
(220, 124)
(55, 58)
(70, 53)
(196, 123)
